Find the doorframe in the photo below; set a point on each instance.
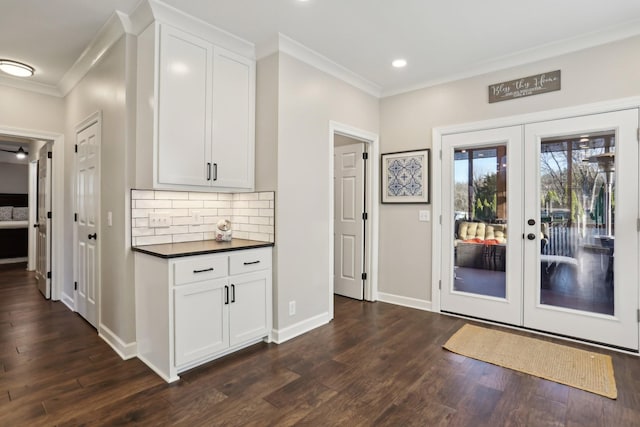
(372, 197)
(523, 119)
(94, 118)
(57, 203)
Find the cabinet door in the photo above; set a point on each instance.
(184, 107)
(233, 120)
(201, 320)
(248, 308)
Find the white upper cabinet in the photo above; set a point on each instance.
(201, 110)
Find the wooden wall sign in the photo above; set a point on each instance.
(525, 86)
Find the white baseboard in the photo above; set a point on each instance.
(68, 301)
(405, 301)
(125, 350)
(12, 260)
(281, 335)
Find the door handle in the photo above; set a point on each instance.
(215, 171)
(233, 293)
(226, 294)
(531, 236)
(208, 171)
(93, 236)
(36, 225)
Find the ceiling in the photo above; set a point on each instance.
(441, 40)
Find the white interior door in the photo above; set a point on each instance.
(349, 222)
(582, 185)
(87, 225)
(43, 225)
(481, 206)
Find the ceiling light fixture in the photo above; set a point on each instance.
(21, 154)
(399, 63)
(16, 68)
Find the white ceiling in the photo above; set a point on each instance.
(441, 40)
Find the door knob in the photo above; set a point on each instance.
(531, 236)
(36, 225)
(531, 222)
(93, 236)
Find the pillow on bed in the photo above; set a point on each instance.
(6, 213)
(20, 214)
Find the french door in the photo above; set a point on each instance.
(543, 224)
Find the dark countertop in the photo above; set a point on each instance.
(175, 250)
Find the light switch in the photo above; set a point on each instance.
(110, 219)
(424, 215)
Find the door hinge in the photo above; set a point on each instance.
(638, 224)
(440, 219)
(440, 154)
(75, 286)
(49, 215)
(638, 311)
(364, 276)
(75, 217)
(76, 148)
(365, 216)
(365, 155)
(440, 284)
(49, 154)
(48, 275)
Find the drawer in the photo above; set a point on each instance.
(199, 268)
(249, 260)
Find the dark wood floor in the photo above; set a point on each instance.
(375, 364)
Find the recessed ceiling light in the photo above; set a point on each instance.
(399, 63)
(16, 68)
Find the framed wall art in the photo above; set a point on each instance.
(405, 177)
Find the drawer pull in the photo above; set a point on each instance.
(233, 293)
(226, 295)
(203, 271)
(252, 262)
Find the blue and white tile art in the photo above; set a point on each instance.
(405, 176)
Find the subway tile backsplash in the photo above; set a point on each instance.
(193, 216)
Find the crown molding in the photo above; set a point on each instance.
(299, 51)
(30, 86)
(528, 56)
(164, 13)
(108, 35)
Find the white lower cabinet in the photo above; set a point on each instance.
(191, 310)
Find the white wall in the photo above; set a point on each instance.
(14, 178)
(29, 110)
(104, 89)
(601, 73)
(308, 100)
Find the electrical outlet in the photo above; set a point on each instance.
(424, 215)
(159, 220)
(195, 217)
(292, 308)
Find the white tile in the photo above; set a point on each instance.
(260, 204)
(177, 212)
(240, 219)
(153, 204)
(225, 212)
(260, 220)
(247, 212)
(151, 240)
(217, 204)
(267, 195)
(204, 212)
(272, 204)
(203, 196)
(240, 235)
(259, 236)
(140, 213)
(141, 194)
(240, 204)
(225, 196)
(174, 229)
(191, 237)
(141, 222)
(172, 195)
(141, 231)
(187, 204)
(248, 227)
(210, 219)
(202, 228)
(245, 196)
(181, 220)
(272, 238)
(267, 229)
(266, 212)
(272, 221)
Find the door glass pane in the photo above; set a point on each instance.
(577, 210)
(480, 233)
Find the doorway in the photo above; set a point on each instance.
(360, 278)
(530, 214)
